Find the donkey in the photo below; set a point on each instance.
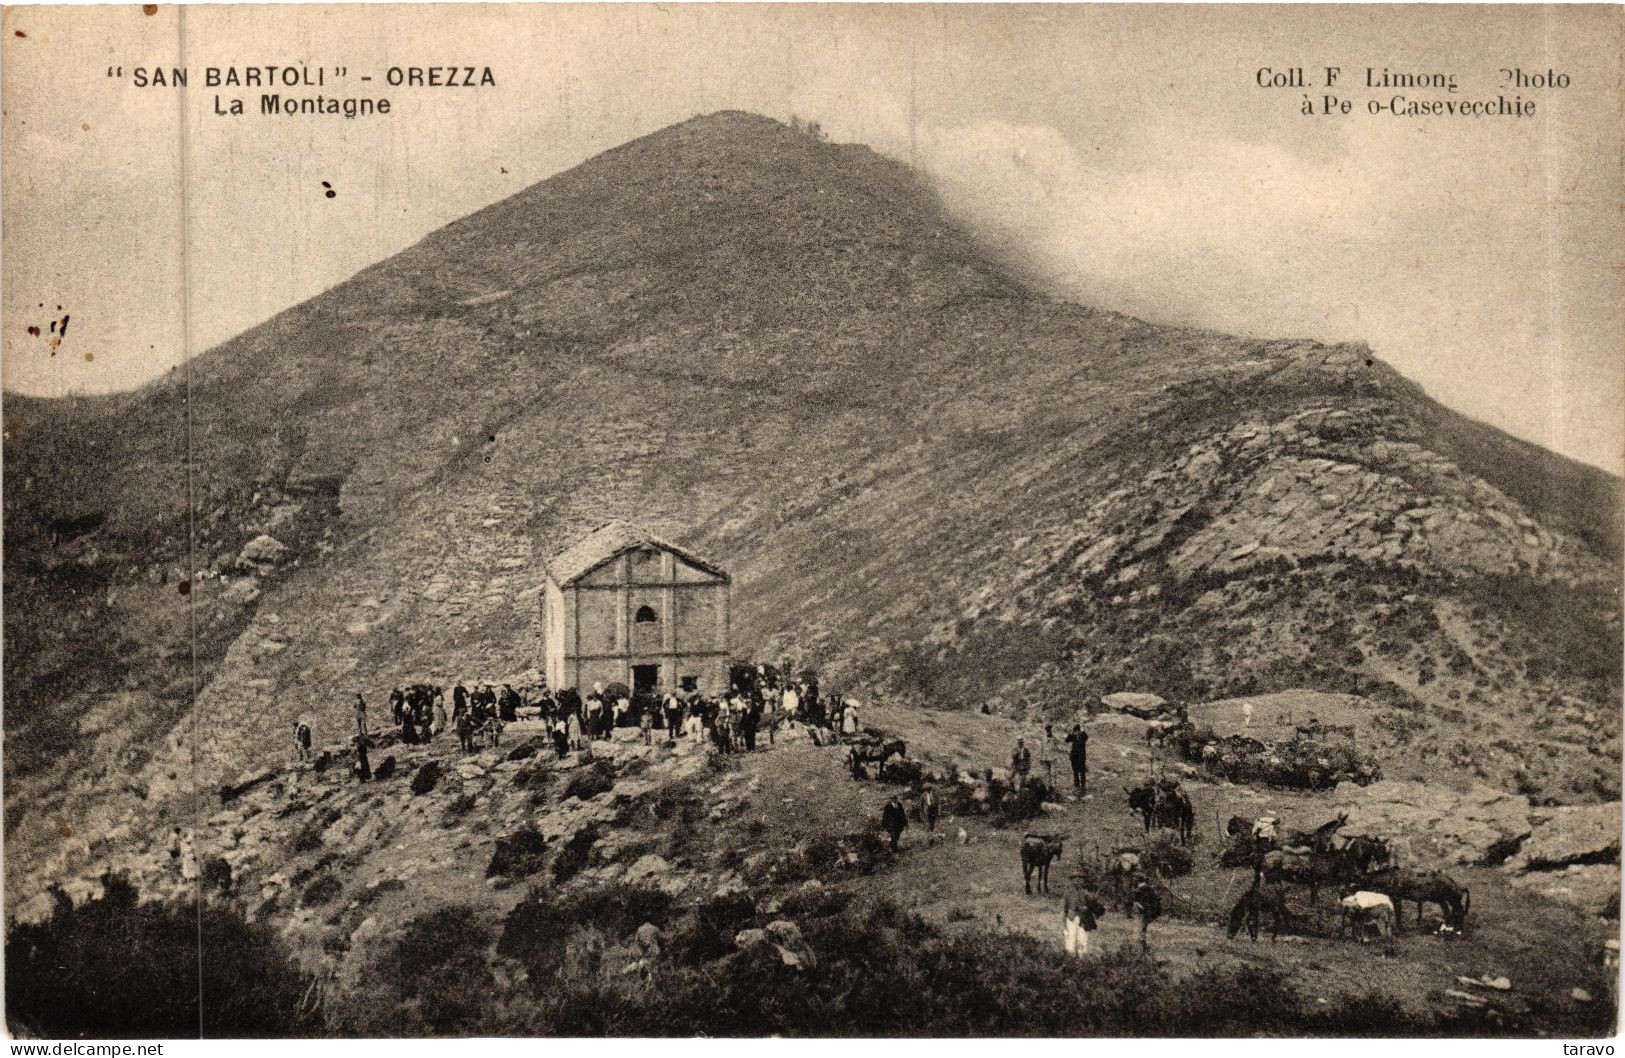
(1037, 851)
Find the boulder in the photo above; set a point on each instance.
(746, 939)
(647, 868)
(240, 592)
(783, 931)
(262, 549)
(793, 950)
(1135, 703)
(1431, 825)
(1574, 834)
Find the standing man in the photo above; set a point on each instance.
(893, 820)
(360, 715)
(1021, 762)
(1246, 712)
(673, 707)
(928, 807)
(301, 739)
(409, 731)
(790, 703)
(363, 769)
(1078, 752)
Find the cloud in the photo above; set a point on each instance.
(1456, 272)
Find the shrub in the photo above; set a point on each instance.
(533, 776)
(589, 782)
(884, 971)
(440, 964)
(322, 891)
(1302, 763)
(115, 968)
(1167, 857)
(308, 838)
(871, 850)
(528, 748)
(822, 855)
(426, 778)
(216, 875)
(463, 805)
(860, 852)
(538, 930)
(569, 860)
(517, 855)
(710, 932)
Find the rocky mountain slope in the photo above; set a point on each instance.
(926, 478)
(610, 871)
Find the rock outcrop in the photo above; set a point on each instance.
(1573, 834)
(1134, 703)
(1569, 853)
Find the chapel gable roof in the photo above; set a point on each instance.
(612, 539)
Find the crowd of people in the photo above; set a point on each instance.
(760, 702)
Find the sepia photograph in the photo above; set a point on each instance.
(812, 520)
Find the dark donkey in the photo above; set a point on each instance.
(1425, 887)
(1037, 851)
(1167, 806)
(1253, 903)
(1317, 868)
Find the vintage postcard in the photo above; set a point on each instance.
(883, 520)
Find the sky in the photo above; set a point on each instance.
(1125, 155)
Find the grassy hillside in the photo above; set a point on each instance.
(925, 478)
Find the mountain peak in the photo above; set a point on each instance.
(779, 351)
